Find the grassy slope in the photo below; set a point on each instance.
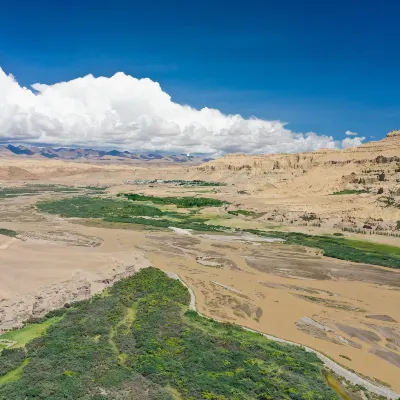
(160, 351)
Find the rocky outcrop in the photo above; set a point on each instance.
(394, 133)
(15, 311)
(383, 151)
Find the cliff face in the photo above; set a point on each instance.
(380, 152)
(287, 186)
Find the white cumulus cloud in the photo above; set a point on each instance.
(352, 142)
(136, 114)
(350, 133)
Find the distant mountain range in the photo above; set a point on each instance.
(64, 153)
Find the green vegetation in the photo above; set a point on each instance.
(398, 225)
(195, 182)
(10, 360)
(350, 191)
(336, 385)
(166, 223)
(158, 351)
(14, 374)
(344, 249)
(309, 217)
(93, 188)
(97, 207)
(198, 182)
(7, 232)
(246, 213)
(180, 202)
(28, 332)
(35, 189)
(13, 359)
(176, 182)
(120, 211)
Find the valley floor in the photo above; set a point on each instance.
(348, 311)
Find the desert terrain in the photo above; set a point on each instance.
(347, 310)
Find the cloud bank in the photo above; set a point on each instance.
(350, 133)
(136, 114)
(354, 142)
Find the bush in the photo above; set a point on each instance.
(8, 232)
(11, 359)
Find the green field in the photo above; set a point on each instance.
(177, 182)
(141, 342)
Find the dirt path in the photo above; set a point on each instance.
(330, 364)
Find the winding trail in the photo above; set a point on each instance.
(328, 363)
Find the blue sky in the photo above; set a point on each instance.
(322, 66)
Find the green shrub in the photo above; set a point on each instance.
(246, 213)
(11, 359)
(8, 232)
